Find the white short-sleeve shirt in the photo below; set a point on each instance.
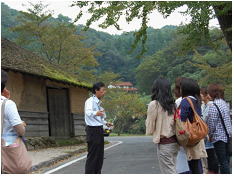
(11, 119)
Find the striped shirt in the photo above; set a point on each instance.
(216, 129)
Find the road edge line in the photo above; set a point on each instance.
(78, 159)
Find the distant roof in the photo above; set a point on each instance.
(123, 84)
(130, 89)
(18, 59)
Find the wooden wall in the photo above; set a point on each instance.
(29, 94)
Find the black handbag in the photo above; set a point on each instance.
(229, 144)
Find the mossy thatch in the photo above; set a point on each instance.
(21, 60)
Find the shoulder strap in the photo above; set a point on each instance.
(2, 113)
(222, 121)
(191, 104)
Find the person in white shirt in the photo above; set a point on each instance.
(95, 119)
(13, 126)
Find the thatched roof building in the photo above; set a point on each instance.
(50, 100)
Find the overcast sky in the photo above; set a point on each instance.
(62, 7)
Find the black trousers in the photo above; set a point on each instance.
(95, 140)
(223, 157)
(212, 161)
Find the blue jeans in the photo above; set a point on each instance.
(223, 157)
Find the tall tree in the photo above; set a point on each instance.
(56, 41)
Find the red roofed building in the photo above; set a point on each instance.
(127, 86)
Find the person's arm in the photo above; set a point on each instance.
(184, 110)
(150, 122)
(20, 129)
(12, 114)
(89, 109)
(211, 120)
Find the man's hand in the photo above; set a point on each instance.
(100, 113)
(109, 124)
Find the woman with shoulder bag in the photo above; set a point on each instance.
(220, 127)
(191, 90)
(160, 123)
(15, 159)
(182, 166)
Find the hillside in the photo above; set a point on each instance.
(114, 50)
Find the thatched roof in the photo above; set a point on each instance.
(21, 60)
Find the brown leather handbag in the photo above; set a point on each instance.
(198, 129)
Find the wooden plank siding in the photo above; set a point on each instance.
(79, 124)
(37, 123)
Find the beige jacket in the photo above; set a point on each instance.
(196, 152)
(158, 122)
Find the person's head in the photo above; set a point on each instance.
(205, 97)
(99, 89)
(161, 91)
(177, 87)
(4, 78)
(216, 91)
(190, 87)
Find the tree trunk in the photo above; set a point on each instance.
(225, 20)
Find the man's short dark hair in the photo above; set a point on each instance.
(97, 86)
(4, 78)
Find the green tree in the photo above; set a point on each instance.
(197, 30)
(123, 109)
(56, 41)
(216, 72)
(107, 77)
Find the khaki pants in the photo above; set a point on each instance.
(167, 154)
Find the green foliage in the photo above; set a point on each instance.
(107, 77)
(216, 72)
(206, 64)
(56, 41)
(8, 20)
(201, 12)
(125, 110)
(111, 51)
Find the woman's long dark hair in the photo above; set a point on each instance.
(161, 91)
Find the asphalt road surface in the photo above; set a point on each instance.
(135, 155)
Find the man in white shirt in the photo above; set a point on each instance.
(95, 119)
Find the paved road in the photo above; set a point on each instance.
(135, 155)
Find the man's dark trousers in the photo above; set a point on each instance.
(95, 140)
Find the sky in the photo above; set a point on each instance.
(62, 7)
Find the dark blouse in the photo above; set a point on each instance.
(186, 110)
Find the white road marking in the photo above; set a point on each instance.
(78, 159)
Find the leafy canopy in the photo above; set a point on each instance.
(200, 11)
